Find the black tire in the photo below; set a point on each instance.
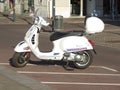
(20, 59)
(85, 60)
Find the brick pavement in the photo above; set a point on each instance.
(110, 37)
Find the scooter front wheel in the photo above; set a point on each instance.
(20, 59)
(83, 59)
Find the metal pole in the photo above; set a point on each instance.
(53, 8)
(113, 10)
(53, 14)
(81, 8)
(14, 13)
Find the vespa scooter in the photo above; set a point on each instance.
(67, 46)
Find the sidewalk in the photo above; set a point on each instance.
(18, 20)
(10, 80)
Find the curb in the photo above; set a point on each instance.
(22, 80)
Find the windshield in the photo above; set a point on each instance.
(41, 11)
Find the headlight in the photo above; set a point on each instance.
(36, 20)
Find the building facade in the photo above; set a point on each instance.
(81, 8)
(66, 8)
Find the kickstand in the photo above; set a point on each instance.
(67, 67)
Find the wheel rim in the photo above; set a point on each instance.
(21, 61)
(23, 58)
(84, 60)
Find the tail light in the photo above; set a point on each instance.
(91, 42)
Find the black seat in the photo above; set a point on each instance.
(58, 35)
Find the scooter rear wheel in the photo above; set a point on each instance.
(20, 59)
(83, 59)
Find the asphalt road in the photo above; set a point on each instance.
(103, 74)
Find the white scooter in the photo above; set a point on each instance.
(67, 46)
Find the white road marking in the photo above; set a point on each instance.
(109, 69)
(77, 83)
(9, 64)
(103, 67)
(4, 64)
(62, 73)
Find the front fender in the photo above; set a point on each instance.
(22, 47)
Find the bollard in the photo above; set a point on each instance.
(58, 23)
